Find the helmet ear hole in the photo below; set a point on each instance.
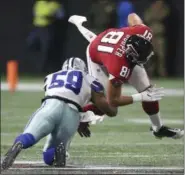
(138, 49)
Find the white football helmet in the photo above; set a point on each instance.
(74, 63)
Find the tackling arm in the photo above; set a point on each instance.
(100, 101)
(114, 96)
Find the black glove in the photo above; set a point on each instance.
(83, 129)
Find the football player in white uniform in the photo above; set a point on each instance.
(66, 92)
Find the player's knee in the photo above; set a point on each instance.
(26, 139)
(48, 156)
(151, 108)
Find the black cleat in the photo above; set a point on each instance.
(165, 131)
(11, 155)
(60, 156)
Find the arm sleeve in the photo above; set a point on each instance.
(94, 84)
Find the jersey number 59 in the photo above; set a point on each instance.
(73, 81)
(110, 38)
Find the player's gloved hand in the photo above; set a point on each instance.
(83, 129)
(149, 95)
(152, 94)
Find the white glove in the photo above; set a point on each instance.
(151, 94)
(89, 116)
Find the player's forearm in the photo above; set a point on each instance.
(109, 110)
(112, 111)
(100, 101)
(134, 19)
(121, 101)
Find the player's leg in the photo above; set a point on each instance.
(49, 149)
(98, 72)
(139, 79)
(60, 138)
(93, 68)
(65, 132)
(41, 124)
(67, 149)
(77, 21)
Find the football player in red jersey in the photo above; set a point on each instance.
(117, 55)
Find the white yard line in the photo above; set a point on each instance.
(137, 120)
(99, 166)
(126, 156)
(147, 121)
(106, 168)
(37, 87)
(115, 144)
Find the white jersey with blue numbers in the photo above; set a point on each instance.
(74, 85)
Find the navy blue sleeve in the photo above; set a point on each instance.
(97, 87)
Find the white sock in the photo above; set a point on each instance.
(156, 121)
(89, 35)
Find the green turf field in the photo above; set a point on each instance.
(122, 140)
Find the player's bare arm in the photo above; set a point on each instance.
(134, 19)
(114, 95)
(100, 101)
(116, 99)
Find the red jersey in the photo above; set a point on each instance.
(108, 49)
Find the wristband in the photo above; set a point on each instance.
(137, 97)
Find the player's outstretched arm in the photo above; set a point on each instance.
(116, 99)
(114, 95)
(101, 103)
(134, 19)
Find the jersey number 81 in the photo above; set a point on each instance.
(110, 38)
(113, 38)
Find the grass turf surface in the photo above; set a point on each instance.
(116, 141)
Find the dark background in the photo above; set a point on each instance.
(16, 24)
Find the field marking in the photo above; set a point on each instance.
(137, 120)
(147, 121)
(106, 155)
(100, 166)
(113, 144)
(37, 87)
(105, 168)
